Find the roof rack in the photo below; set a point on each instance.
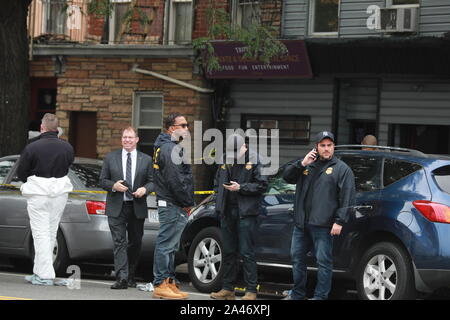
(384, 148)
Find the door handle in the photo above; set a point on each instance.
(291, 210)
(368, 207)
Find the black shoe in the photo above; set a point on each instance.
(120, 284)
(132, 283)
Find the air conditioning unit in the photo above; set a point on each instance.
(403, 19)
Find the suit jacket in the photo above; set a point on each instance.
(112, 171)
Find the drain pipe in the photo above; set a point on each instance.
(169, 79)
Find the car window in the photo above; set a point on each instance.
(442, 178)
(277, 185)
(5, 167)
(395, 170)
(367, 171)
(86, 175)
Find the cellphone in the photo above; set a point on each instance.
(128, 192)
(227, 183)
(315, 150)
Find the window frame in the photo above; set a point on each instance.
(283, 141)
(172, 22)
(112, 20)
(312, 19)
(238, 11)
(390, 4)
(46, 11)
(135, 115)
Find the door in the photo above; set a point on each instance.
(14, 221)
(275, 222)
(83, 134)
(367, 170)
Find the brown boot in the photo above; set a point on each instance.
(173, 286)
(163, 291)
(223, 295)
(249, 296)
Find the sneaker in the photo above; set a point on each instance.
(223, 295)
(173, 286)
(36, 280)
(163, 291)
(249, 296)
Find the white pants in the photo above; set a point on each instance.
(46, 200)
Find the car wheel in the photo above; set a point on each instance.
(385, 273)
(205, 260)
(60, 257)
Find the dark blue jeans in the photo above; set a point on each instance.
(172, 220)
(237, 237)
(319, 239)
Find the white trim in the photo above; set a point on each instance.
(311, 20)
(136, 110)
(410, 5)
(172, 20)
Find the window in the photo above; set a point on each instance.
(86, 175)
(147, 119)
(277, 185)
(120, 8)
(324, 17)
(395, 170)
(55, 17)
(246, 12)
(5, 168)
(442, 178)
(292, 129)
(180, 28)
(367, 171)
(390, 3)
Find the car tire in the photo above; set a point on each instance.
(205, 270)
(61, 258)
(385, 273)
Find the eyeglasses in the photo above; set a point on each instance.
(183, 125)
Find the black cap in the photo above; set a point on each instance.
(324, 135)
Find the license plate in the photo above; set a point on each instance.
(153, 215)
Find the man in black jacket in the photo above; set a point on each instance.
(239, 187)
(175, 195)
(323, 199)
(43, 167)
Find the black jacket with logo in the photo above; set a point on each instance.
(252, 186)
(334, 195)
(174, 182)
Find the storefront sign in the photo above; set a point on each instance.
(295, 64)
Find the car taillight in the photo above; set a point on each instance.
(96, 207)
(434, 212)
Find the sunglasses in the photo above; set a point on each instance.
(183, 125)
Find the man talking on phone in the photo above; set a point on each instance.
(323, 199)
(239, 186)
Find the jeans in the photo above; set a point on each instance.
(237, 237)
(172, 220)
(303, 241)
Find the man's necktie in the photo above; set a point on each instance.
(128, 177)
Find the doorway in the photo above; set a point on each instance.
(83, 134)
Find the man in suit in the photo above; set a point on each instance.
(127, 175)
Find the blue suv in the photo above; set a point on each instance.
(396, 243)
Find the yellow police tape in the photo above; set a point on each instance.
(104, 192)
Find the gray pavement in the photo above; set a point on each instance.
(13, 286)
